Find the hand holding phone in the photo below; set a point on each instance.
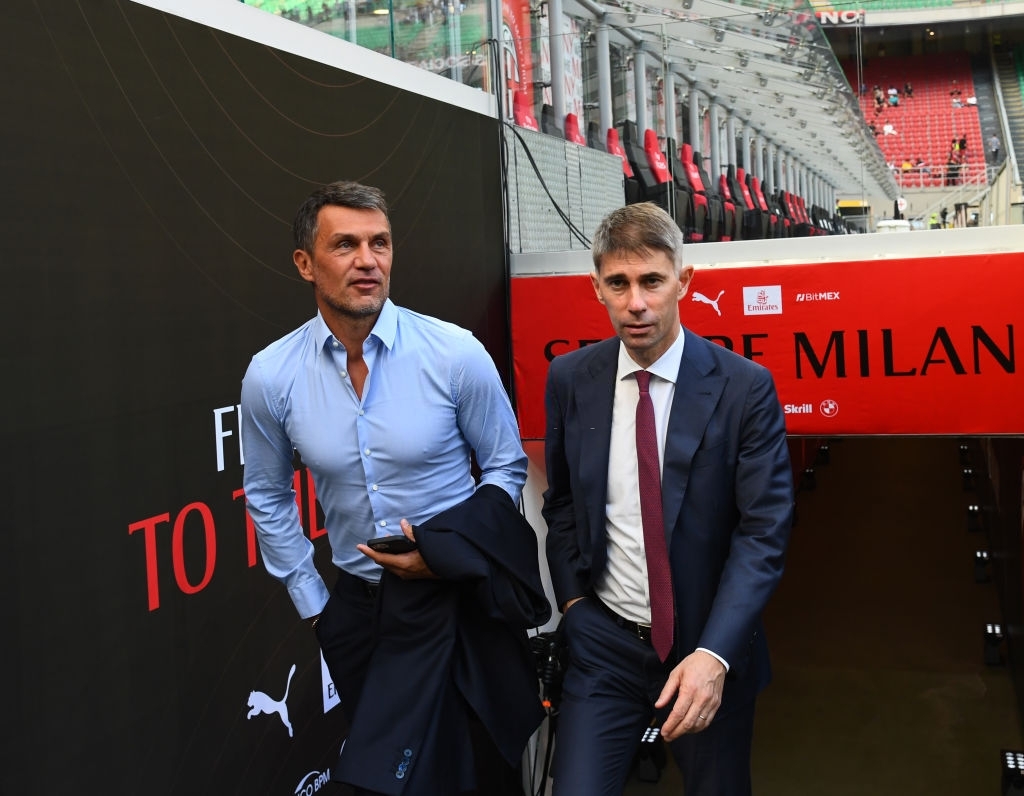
(392, 544)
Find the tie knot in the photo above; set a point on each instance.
(643, 379)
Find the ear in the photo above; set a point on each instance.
(684, 280)
(595, 280)
(304, 263)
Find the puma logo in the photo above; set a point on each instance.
(260, 703)
(712, 302)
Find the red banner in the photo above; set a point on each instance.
(898, 346)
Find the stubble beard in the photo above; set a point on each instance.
(369, 308)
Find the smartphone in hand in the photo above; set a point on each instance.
(392, 544)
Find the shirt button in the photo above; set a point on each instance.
(374, 487)
(344, 375)
(383, 523)
(367, 451)
(361, 412)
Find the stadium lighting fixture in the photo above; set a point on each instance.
(1013, 771)
(993, 640)
(974, 518)
(981, 561)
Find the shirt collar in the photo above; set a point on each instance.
(385, 329)
(665, 367)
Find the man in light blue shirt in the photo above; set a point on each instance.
(384, 406)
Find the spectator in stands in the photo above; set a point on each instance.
(993, 147)
(952, 171)
(921, 165)
(962, 148)
(894, 96)
(879, 99)
(908, 90)
(888, 129)
(943, 214)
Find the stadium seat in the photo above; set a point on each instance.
(774, 228)
(572, 130)
(651, 189)
(632, 187)
(547, 121)
(755, 220)
(697, 202)
(697, 175)
(732, 211)
(522, 113)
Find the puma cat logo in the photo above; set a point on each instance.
(262, 703)
(712, 302)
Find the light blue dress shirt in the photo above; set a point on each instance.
(402, 452)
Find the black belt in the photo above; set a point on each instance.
(371, 588)
(642, 632)
(354, 584)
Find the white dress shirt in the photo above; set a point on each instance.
(623, 586)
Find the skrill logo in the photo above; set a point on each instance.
(762, 300)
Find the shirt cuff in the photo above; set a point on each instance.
(718, 658)
(310, 598)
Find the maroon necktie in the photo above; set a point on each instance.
(658, 575)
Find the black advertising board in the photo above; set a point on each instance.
(152, 166)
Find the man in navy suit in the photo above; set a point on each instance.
(726, 511)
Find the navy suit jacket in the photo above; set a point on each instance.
(727, 495)
(450, 647)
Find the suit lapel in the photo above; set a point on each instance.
(594, 398)
(698, 391)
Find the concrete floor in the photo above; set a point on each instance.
(877, 638)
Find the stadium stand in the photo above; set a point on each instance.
(916, 136)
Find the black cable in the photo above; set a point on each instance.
(579, 234)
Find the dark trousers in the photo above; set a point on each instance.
(611, 683)
(346, 633)
(346, 636)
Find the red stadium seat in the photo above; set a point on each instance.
(572, 130)
(522, 112)
(615, 148)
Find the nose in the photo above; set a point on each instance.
(636, 304)
(364, 257)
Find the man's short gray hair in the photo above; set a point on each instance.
(638, 229)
